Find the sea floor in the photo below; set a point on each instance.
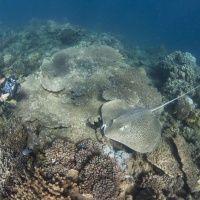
(53, 137)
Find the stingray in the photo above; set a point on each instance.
(137, 128)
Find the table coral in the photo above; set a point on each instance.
(74, 82)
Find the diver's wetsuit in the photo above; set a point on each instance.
(9, 86)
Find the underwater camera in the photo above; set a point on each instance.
(10, 86)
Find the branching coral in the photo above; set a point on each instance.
(101, 177)
(68, 172)
(85, 151)
(13, 138)
(59, 158)
(61, 152)
(7, 164)
(39, 186)
(99, 174)
(14, 135)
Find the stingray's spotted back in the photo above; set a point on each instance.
(137, 128)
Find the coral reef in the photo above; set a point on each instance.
(75, 79)
(71, 35)
(13, 138)
(7, 164)
(66, 172)
(38, 185)
(60, 156)
(184, 107)
(60, 103)
(120, 156)
(193, 120)
(163, 158)
(159, 183)
(179, 72)
(23, 50)
(101, 177)
(85, 150)
(188, 166)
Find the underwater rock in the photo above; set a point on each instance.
(188, 166)
(73, 82)
(120, 156)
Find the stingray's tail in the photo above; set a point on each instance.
(161, 106)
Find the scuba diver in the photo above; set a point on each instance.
(8, 89)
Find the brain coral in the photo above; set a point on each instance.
(73, 83)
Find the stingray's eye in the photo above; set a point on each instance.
(103, 127)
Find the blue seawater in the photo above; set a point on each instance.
(175, 24)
